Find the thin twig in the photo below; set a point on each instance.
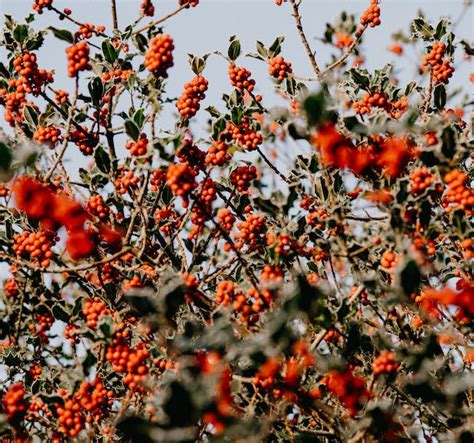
(344, 56)
(114, 15)
(299, 26)
(70, 120)
(161, 20)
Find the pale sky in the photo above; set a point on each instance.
(208, 27)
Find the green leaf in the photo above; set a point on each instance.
(441, 29)
(468, 48)
(35, 43)
(197, 63)
(5, 157)
(31, 115)
(213, 111)
(110, 53)
(262, 50)
(448, 138)
(440, 96)
(409, 88)
(360, 78)
(234, 50)
(420, 28)
(410, 278)
(315, 107)
(96, 90)
(60, 313)
(88, 362)
(275, 47)
(139, 117)
(141, 42)
(4, 71)
(102, 160)
(62, 34)
(132, 129)
(20, 33)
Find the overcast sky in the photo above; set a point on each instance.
(208, 27)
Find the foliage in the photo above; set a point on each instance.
(296, 273)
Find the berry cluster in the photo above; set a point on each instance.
(242, 177)
(202, 208)
(163, 364)
(15, 405)
(84, 139)
(241, 78)
(420, 179)
(271, 275)
(131, 361)
(147, 8)
(39, 5)
(4, 190)
(317, 218)
(117, 75)
(181, 179)
(389, 260)
(126, 181)
(71, 417)
(188, 3)
(87, 30)
(218, 154)
(44, 322)
(190, 154)
(78, 58)
(159, 57)
(244, 135)
(49, 135)
(33, 78)
(286, 245)
(466, 245)
(348, 388)
(431, 138)
(97, 207)
(442, 69)
(422, 244)
(138, 148)
(385, 363)
(167, 219)
(71, 334)
(279, 68)
(266, 376)
(11, 287)
(458, 194)
(390, 154)
(378, 99)
(14, 101)
(194, 92)
(255, 303)
(157, 179)
(94, 398)
(397, 49)
(343, 40)
(94, 309)
(61, 97)
(226, 219)
(227, 293)
(371, 16)
(36, 245)
(251, 232)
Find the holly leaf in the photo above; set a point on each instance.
(62, 34)
(234, 49)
